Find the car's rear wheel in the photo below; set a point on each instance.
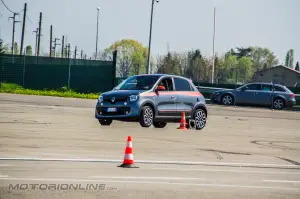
(227, 100)
(159, 124)
(105, 122)
(200, 119)
(147, 116)
(278, 104)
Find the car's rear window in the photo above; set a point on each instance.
(288, 90)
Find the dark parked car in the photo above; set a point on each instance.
(152, 100)
(260, 94)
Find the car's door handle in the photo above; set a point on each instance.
(173, 97)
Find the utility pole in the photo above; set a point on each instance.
(13, 33)
(40, 32)
(23, 28)
(150, 36)
(81, 55)
(213, 61)
(36, 40)
(62, 46)
(97, 32)
(50, 53)
(55, 44)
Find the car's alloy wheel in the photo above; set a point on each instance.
(200, 119)
(227, 100)
(278, 104)
(105, 122)
(159, 124)
(146, 116)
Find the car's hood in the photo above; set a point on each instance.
(121, 93)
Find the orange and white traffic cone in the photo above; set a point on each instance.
(182, 122)
(128, 161)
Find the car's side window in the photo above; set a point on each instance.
(182, 84)
(167, 83)
(253, 87)
(266, 88)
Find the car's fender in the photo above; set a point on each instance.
(150, 103)
(200, 105)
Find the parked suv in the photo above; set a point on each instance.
(260, 94)
(155, 99)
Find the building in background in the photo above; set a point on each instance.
(279, 75)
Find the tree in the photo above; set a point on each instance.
(297, 66)
(289, 59)
(29, 50)
(242, 52)
(245, 69)
(16, 48)
(2, 50)
(169, 64)
(262, 58)
(132, 57)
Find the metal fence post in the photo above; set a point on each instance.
(24, 69)
(69, 75)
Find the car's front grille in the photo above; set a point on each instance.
(123, 99)
(120, 111)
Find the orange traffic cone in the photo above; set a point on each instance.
(128, 161)
(182, 122)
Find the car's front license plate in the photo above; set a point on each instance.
(111, 109)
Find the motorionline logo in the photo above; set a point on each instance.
(59, 187)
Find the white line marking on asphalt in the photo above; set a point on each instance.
(223, 170)
(145, 177)
(281, 181)
(4, 165)
(3, 176)
(152, 162)
(156, 182)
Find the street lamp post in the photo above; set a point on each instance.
(150, 35)
(97, 32)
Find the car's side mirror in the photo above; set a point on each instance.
(160, 88)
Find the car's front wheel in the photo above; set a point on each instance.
(200, 119)
(147, 116)
(159, 124)
(227, 100)
(105, 122)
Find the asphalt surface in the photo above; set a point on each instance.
(242, 153)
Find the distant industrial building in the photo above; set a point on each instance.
(279, 75)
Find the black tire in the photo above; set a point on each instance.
(278, 104)
(227, 100)
(159, 124)
(147, 116)
(105, 122)
(200, 119)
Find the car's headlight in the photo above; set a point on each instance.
(133, 98)
(100, 99)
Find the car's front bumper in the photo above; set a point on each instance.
(124, 112)
(215, 98)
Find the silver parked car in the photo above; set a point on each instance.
(260, 94)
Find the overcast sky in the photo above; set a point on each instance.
(185, 24)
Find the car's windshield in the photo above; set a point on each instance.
(138, 83)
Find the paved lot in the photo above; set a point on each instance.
(242, 153)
